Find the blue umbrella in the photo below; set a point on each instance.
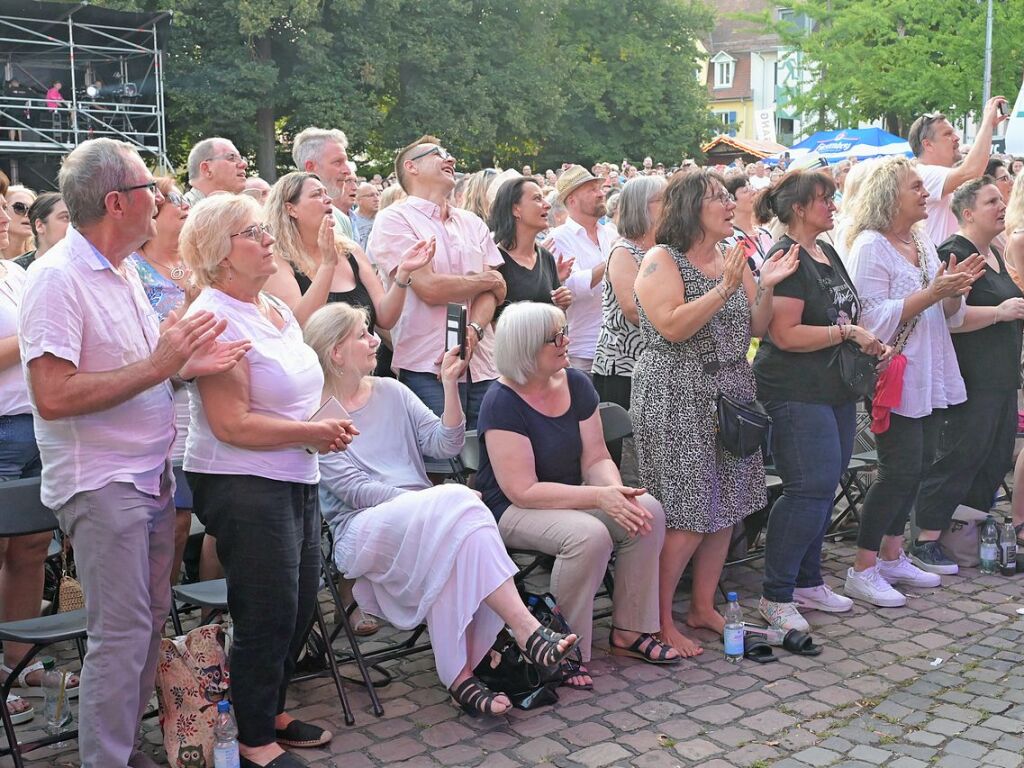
(862, 143)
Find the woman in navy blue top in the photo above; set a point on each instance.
(546, 474)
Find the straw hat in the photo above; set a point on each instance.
(572, 178)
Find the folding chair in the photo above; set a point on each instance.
(23, 514)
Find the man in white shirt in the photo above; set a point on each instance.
(98, 369)
(588, 242)
(936, 145)
(215, 165)
(325, 153)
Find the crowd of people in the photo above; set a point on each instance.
(144, 324)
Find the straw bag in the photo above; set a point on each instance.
(70, 595)
(191, 677)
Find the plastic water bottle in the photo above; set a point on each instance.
(733, 635)
(56, 710)
(1007, 548)
(225, 738)
(988, 547)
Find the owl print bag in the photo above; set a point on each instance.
(191, 677)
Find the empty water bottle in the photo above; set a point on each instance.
(988, 546)
(56, 710)
(1007, 548)
(733, 635)
(225, 738)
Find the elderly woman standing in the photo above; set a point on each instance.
(910, 300)
(619, 343)
(546, 475)
(251, 474)
(698, 308)
(978, 436)
(420, 553)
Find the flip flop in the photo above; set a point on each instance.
(800, 643)
(756, 649)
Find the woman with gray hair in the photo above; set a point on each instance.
(250, 462)
(419, 553)
(619, 343)
(547, 476)
(909, 299)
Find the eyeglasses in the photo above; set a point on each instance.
(231, 157)
(175, 198)
(723, 197)
(254, 233)
(150, 185)
(439, 151)
(560, 337)
(20, 208)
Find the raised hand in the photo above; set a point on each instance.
(453, 366)
(780, 266)
(326, 243)
(562, 297)
(417, 257)
(563, 266)
(947, 284)
(735, 265)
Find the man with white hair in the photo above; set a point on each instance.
(257, 188)
(215, 165)
(367, 205)
(325, 152)
(98, 367)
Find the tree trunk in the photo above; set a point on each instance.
(266, 157)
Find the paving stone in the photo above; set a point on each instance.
(697, 749)
(965, 748)
(1001, 758)
(1004, 724)
(871, 755)
(600, 754)
(817, 756)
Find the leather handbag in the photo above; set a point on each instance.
(744, 427)
(858, 370)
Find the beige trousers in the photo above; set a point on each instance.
(582, 542)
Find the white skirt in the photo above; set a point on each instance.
(432, 555)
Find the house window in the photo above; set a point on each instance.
(725, 69)
(728, 120)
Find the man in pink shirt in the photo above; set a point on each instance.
(464, 271)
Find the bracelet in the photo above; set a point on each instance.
(400, 284)
(721, 292)
(843, 335)
(995, 315)
(831, 341)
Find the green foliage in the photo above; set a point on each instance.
(894, 59)
(506, 81)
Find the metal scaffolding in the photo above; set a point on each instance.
(110, 66)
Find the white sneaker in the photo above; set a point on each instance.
(821, 598)
(871, 587)
(782, 615)
(902, 571)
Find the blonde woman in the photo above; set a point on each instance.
(420, 553)
(475, 198)
(317, 265)
(1013, 231)
(20, 240)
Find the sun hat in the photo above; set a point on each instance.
(574, 177)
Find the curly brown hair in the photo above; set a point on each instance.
(679, 225)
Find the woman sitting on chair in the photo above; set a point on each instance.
(419, 553)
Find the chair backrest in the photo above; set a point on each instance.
(470, 453)
(615, 421)
(21, 511)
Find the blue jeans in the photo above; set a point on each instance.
(19, 454)
(427, 387)
(812, 444)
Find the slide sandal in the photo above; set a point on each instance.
(800, 643)
(756, 649)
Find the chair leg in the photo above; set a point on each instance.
(5, 716)
(333, 664)
(176, 617)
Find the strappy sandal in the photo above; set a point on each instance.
(475, 698)
(23, 687)
(20, 710)
(542, 651)
(646, 648)
(571, 669)
(1019, 530)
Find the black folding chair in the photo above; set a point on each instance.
(24, 514)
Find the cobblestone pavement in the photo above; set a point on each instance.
(933, 683)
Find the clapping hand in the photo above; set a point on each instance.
(563, 266)
(956, 279)
(562, 297)
(181, 337)
(417, 257)
(779, 267)
(215, 357)
(326, 242)
(732, 271)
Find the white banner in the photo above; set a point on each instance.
(1015, 127)
(764, 125)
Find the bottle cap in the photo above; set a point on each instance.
(49, 663)
(223, 705)
(731, 597)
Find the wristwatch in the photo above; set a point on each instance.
(478, 328)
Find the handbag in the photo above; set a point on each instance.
(743, 426)
(70, 595)
(960, 540)
(191, 678)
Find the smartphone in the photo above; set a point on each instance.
(1003, 108)
(331, 409)
(455, 329)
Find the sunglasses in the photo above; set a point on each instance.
(175, 198)
(254, 233)
(20, 208)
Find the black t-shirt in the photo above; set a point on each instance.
(829, 299)
(357, 297)
(528, 284)
(556, 440)
(989, 357)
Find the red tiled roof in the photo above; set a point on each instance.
(740, 88)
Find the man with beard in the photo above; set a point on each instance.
(589, 242)
(325, 153)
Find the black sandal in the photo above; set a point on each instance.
(800, 643)
(541, 649)
(570, 669)
(475, 698)
(646, 648)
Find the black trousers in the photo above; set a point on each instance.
(905, 452)
(268, 540)
(975, 452)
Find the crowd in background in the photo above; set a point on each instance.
(145, 323)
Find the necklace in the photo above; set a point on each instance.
(176, 271)
(897, 237)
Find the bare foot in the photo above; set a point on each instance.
(684, 645)
(712, 620)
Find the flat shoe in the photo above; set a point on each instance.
(25, 690)
(300, 734)
(800, 643)
(654, 652)
(570, 669)
(756, 649)
(286, 760)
